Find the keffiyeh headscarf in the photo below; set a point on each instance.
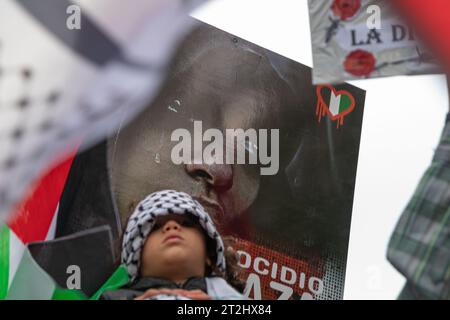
(142, 220)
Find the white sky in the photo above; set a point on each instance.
(403, 120)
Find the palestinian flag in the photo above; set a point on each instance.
(35, 220)
(87, 70)
(29, 235)
(22, 278)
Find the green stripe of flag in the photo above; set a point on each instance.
(339, 103)
(66, 294)
(4, 260)
(345, 103)
(118, 279)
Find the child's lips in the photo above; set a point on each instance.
(172, 238)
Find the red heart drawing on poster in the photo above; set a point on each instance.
(335, 103)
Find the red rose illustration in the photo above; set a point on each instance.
(360, 63)
(345, 9)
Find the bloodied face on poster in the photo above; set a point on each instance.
(235, 127)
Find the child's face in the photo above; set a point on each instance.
(175, 249)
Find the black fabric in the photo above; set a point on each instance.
(138, 287)
(87, 201)
(95, 264)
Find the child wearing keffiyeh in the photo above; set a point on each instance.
(172, 250)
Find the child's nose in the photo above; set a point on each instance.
(171, 224)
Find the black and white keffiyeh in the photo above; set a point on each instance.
(142, 220)
(70, 85)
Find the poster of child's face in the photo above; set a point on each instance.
(220, 84)
(271, 157)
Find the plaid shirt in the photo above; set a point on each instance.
(420, 245)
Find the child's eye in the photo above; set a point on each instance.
(156, 226)
(188, 223)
